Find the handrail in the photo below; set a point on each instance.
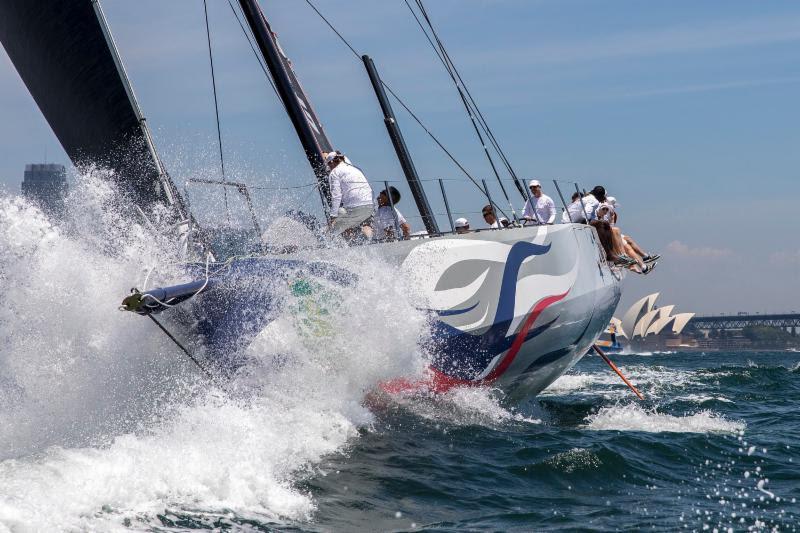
(448, 212)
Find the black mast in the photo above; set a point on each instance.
(305, 122)
(402, 150)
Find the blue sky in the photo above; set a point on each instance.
(687, 112)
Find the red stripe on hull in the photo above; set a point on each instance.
(438, 382)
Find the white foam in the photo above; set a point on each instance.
(466, 406)
(569, 383)
(702, 398)
(102, 420)
(633, 418)
(575, 459)
(653, 381)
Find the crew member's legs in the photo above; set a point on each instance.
(350, 222)
(645, 255)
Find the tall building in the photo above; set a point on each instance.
(46, 185)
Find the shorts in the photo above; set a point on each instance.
(352, 217)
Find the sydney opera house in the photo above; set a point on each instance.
(648, 326)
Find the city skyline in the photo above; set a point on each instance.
(689, 121)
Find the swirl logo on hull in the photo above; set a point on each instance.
(463, 358)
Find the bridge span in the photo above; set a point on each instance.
(785, 321)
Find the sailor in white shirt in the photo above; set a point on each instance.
(540, 208)
(605, 211)
(384, 224)
(351, 195)
(574, 212)
(489, 217)
(593, 200)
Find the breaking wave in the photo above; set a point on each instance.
(104, 424)
(634, 418)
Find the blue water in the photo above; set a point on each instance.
(714, 446)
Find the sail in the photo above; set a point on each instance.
(64, 53)
(298, 106)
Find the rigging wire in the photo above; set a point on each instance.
(216, 110)
(445, 59)
(472, 110)
(442, 54)
(253, 48)
(402, 103)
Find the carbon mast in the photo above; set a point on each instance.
(304, 119)
(401, 149)
(307, 124)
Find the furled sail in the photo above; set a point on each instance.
(64, 53)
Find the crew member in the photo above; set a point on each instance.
(462, 225)
(574, 212)
(539, 209)
(351, 196)
(383, 222)
(489, 216)
(593, 200)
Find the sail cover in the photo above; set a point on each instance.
(67, 60)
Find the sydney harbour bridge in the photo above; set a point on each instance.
(789, 321)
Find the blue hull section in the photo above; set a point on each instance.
(235, 304)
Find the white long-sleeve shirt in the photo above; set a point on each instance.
(591, 203)
(349, 188)
(574, 213)
(543, 210)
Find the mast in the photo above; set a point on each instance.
(306, 124)
(401, 149)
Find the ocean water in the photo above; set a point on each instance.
(104, 427)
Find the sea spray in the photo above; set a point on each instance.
(629, 417)
(107, 424)
(73, 366)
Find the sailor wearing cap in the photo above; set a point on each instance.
(462, 225)
(608, 211)
(540, 208)
(351, 195)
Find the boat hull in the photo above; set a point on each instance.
(512, 308)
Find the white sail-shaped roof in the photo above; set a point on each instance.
(659, 324)
(617, 323)
(632, 315)
(641, 326)
(665, 311)
(681, 320)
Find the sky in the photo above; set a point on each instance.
(685, 111)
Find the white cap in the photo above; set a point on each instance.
(611, 200)
(534, 183)
(462, 223)
(330, 155)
